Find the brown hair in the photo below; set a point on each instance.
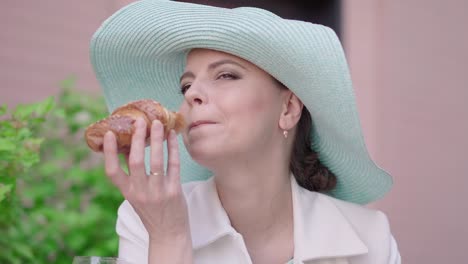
(309, 172)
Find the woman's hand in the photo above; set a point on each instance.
(158, 198)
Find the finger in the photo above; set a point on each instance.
(136, 159)
(111, 161)
(157, 151)
(173, 162)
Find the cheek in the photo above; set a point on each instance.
(245, 107)
(183, 108)
(261, 106)
(252, 115)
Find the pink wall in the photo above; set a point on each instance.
(43, 42)
(409, 62)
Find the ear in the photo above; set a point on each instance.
(291, 112)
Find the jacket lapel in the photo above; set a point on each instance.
(208, 219)
(320, 229)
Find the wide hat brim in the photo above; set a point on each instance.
(140, 52)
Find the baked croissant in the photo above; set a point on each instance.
(121, 122)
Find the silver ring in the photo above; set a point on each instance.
(154, 173)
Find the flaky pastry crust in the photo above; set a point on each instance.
(121, 123)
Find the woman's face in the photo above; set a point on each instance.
(231, 107)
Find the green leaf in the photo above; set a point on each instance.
(4, 190)
(21, 111)
(45, 106)
(24, 133)
(3, 109)
(60, 113)
(7, 144)
(7, 129)
(24, 250)
(68, 83)
(29, 158)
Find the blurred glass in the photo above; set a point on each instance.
(98, 260)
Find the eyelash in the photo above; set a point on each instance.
(184, 89)
(229, 76)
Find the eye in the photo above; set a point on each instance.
(228, 76)
(184, 88)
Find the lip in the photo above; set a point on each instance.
(200, 122)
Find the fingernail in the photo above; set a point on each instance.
(108, 134)
(173, 133)
(108, 138)
(155, 122)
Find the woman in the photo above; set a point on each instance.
(273, 140)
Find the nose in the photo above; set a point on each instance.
(195, 95)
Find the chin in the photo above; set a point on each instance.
(203, 153)
(206, 154)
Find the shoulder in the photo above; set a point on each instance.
(362, 218)
(373, 228)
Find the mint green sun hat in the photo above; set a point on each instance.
(140, 52)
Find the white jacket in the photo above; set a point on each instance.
(326, 230)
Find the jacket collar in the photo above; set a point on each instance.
(208, 219)
(320, 229)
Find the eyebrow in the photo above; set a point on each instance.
(213, 66)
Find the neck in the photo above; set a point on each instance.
(256, 193)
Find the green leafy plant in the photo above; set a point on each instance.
(19, 147)
(61, 205)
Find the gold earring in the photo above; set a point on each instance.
(285, 133)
